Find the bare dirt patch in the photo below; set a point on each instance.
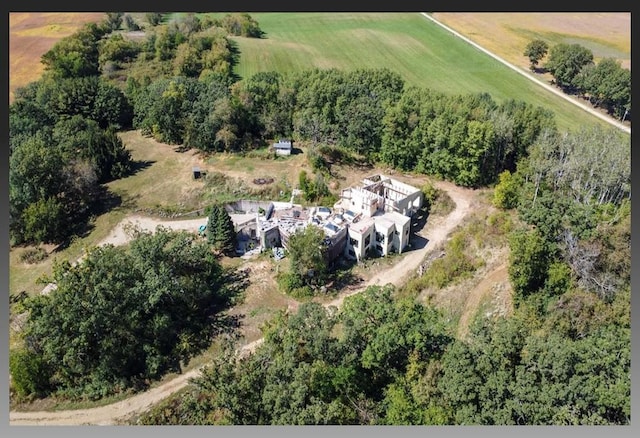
(495, 289)
(32, 34)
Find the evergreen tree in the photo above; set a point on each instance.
(220, 230)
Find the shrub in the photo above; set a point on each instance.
(29, 373)
(505, 195)
(436, 200)
(287, 282)
(34, 255)
(455, 265)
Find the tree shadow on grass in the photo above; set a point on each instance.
(139, 165)
(104, 202)
(233, 283)
(343, 276)
(234, 48)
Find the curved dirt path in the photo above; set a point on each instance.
(435, 232)
(528, 76)
(120, 234)
(116, 413)
(496, 278)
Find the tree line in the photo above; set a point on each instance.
(606, 83)
(382, 360)
(63, 145)
(468, 139)
(574, 192)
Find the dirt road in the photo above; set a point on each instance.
(526, 74)
(491, 285)
(435, 232)
(119, 235)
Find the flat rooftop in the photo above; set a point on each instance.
(383, 223)
(292, 213)
(395, 217)
(361, 226)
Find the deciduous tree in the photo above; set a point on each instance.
(535, 51)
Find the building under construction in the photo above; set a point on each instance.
(372, 218)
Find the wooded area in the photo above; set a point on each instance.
(606, 83)
(124, 317)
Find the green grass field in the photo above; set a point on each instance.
(420, 51)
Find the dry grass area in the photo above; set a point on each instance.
(164, 177)
(24, 277)
(488, 291)
(606, 34)
(32, 34)
(248, 168)
(262, 299)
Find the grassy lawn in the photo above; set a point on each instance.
(164, 178)
(420, 51)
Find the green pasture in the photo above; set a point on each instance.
(423, 53)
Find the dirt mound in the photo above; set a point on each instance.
(262, 181)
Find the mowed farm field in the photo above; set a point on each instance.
(419, 50)
(606, 34)
(32, 34)
(423, 53)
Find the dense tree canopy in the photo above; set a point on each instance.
(467, 139)
(154, 18)
(512, 374)
(63, 144)
(383, 360)
(565, 62)
(304, 374)
(150, 307)
(77, 55)
(607, 85)
(49, 195)
(535, 51)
